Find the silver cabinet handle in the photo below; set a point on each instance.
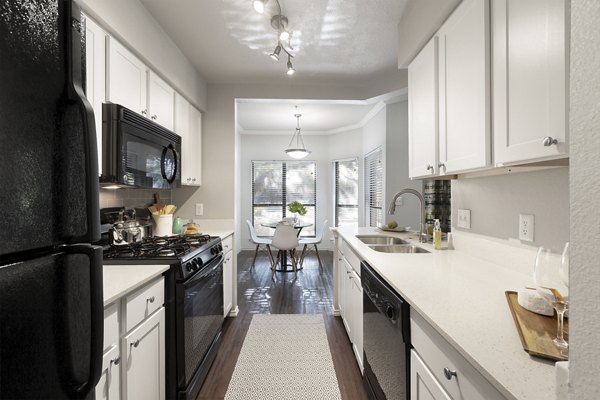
(115, 361)
(136, 343)
(144, 112)
(441, 165)
(150, 299)
(449, 374)
(549, 141)
(194, 180)
(153, 117)
(189, 179)
(430, 167)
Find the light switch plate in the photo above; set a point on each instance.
(526, 227)
(199, 209)
(464, 218)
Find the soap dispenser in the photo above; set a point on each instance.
(437, 235)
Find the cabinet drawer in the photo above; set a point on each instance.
(227, 244)
(111, 326)
(144, 302)
(351, 257)
(438, 354)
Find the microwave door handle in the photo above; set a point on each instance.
(162, 164)
(73, 31)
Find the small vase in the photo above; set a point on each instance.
(295, 218)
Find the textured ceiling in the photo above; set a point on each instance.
(338, 40)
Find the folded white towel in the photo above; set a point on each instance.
(529, 299)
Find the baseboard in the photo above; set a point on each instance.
(234, 312)
(336, 311)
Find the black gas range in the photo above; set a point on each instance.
(193, 303)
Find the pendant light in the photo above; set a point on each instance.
(299, 151)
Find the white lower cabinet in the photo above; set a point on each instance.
(109, 386)
(423, 385)
(350, 298)
(228, 275)
(133, 364)
(144, 368)
(439, 365)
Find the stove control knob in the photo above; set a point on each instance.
(199, 262)
(188, 266)
(195, 265)
(213, 251)
(220, 247)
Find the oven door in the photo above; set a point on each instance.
(200, 317)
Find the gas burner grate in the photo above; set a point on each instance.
(159, 246)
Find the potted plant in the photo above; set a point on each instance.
(296, 208)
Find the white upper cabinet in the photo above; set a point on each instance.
(464, 89)
(95, 69)
(188, 125)
(530, 87)
(126, 78)
(423, 112)
(161, 100)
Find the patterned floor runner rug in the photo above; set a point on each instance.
(284, 356)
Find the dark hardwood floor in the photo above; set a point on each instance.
(312, 292)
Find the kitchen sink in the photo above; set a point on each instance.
(381, 240)
(398, 248)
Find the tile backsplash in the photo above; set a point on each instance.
(132, 197)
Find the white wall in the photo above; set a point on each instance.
(496, 202)
(396, 167)
(135, 27)
(584, 318)
(270, 147)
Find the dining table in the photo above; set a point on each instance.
(298, 226)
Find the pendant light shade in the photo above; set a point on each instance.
(296, 148)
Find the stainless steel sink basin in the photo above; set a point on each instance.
(398, 248)
(384, 240)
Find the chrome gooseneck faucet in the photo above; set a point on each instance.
(392, 208)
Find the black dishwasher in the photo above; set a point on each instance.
(386, 339)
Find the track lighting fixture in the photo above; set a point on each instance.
(299, 151)
(279, 22)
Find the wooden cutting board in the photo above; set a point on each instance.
(536, 331)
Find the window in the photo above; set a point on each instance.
(346, 192)
(374, 188)
(275, 184)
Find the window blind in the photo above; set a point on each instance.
(346, 192)
(374, 188)
(275, 184)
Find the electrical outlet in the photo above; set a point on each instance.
(526, 227)
(199, 209)
(464, 219)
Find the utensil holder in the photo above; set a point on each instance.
(164, 224)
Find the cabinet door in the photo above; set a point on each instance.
(126, 78)
(530, 79)
(464, 91)
(95, 70)
(357, 318)
(423, 385)
(182, 128)
(423, 112)
(340, 274)
(227, 283)
(196, 150)
(161, 101)
(144, 350)
(347, 314)
(109, 385)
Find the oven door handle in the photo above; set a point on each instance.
(209, 270)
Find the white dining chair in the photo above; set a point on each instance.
(310, 241)
(285, 240)
(258, 241)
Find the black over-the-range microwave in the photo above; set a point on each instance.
(137, 152)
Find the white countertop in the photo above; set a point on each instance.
(222, 232)
(462, 297)
(121, 279)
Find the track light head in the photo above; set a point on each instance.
(259, 6)
(275, 54)
(290, 70)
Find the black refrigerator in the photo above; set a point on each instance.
(51, 307)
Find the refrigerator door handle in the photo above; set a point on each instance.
(74, 30)
(94, 254)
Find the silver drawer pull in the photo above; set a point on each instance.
(430, 167)
(549, 141)
(150, 299)
(449, 374)
(136, 343)
(115, 361)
